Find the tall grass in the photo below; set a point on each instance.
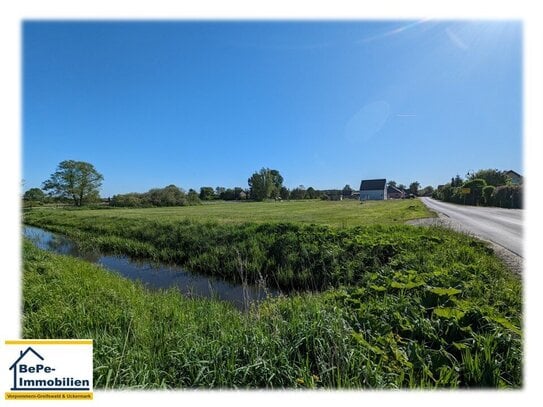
(378, 306)
(449, 324)
(289, 256)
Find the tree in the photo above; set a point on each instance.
(77, 180)
(265, 183)
(284, 193)
(347, 190)
(391, 184)
(277, 179)
(311, 193)
(414, 187)
(207, 193)
(34, 195)
(228, 195)
(491, 176)
(298, 193)
(192, 197)
(456, 181)
(426, 191)
(167, 196)
(402, 187)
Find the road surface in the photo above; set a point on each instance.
(499, 225)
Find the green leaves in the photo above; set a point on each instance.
(77, 180)
(407, 286)
(442, 291)
(360, 339)
(446, 312)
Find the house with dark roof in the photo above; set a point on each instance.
(373, 189)
(394, 193)
(516, 178)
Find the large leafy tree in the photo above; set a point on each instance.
(265, 183)
(77, 180)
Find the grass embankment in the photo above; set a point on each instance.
(402, 306)
(452, 322)
(280, 255)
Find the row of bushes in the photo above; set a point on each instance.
(481, 194)
(168, 196)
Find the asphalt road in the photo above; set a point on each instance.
(499, 225)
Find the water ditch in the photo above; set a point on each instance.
(155, 276)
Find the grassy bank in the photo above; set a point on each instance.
(452, 323)
(392, 305)
(280, 255)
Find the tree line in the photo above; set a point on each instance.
(413, 189)
(488, 187)
(79, 182)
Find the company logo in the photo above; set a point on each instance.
(50, 369)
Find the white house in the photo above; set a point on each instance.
(373, 189)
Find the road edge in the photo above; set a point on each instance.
(512, 260)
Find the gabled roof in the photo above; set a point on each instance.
(23, 354)
(391, 189)
(514, 173)
(373, 184)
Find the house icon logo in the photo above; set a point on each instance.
(49, 369)
(28, 352)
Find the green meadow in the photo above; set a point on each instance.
(331, 213)
(369, 302)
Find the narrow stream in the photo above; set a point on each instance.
(153, 275)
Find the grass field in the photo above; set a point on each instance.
(332, 213)
(389, 306)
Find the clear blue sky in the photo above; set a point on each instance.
(207, 103)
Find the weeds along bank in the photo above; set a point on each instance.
(451, 325)
(399, 306)
(290, 256)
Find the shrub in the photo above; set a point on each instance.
(487, 195)
(508, 196)
(492, 177)
(476, 191)
(168, 196)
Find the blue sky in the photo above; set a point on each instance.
(207, 103)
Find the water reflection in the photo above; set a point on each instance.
(154, 276)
